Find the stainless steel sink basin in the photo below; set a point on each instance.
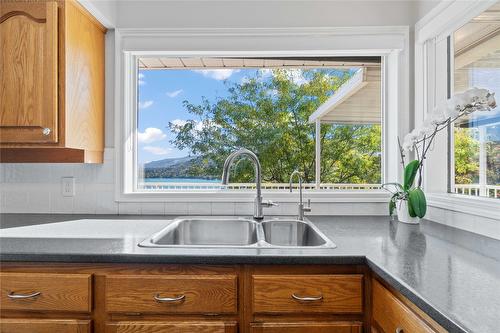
(239, 232)
(293, 233)
(205, 232)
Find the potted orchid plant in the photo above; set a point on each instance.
(408, 199)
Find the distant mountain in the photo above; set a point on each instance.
(169, 162)
(182, 167)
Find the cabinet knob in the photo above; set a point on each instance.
(46, 131)
(399, 330)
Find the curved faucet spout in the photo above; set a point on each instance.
(258, 177)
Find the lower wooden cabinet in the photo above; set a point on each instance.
(307, 327)
(390, 314)
(24, 325)
(172, 327)
(149, 298)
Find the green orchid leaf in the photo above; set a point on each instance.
(410, 174)
(411, 212)
(392, 206)
(417, 202)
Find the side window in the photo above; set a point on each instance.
(476, 138)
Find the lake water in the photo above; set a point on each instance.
(180, 180)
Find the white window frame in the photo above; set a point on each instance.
(389, 42)
(431, 88)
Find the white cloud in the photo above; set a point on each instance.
(265, 72)
(297, 77)
(145, 104)
(141, 79)
(217, 74)
(198, 125)
(174, 93)
(151, 134)
(178, 122)
(157, 150)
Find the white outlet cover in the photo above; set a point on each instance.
(68, 186)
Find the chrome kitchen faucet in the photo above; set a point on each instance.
(258, 203)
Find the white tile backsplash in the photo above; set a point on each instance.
(129, 208)
(39, 201)
(85, 199)
(199, 208)
(153, 208)
(176, 208)
(223, 208)
(106, 203)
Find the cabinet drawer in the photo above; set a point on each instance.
(46, 292)
(172, 294)
(390, 313)
(307, 327)
(308, 293)
(172, 327)
(24, 325)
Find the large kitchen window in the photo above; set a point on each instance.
(476, 138)
(321, 116)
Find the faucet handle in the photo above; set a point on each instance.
(269, 203)
(308, 207)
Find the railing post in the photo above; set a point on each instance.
(318, 154)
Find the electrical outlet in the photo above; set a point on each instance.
(68, 186)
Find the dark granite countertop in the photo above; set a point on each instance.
(452, 275)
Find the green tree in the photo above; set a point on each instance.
(269, 115)
(466, 156)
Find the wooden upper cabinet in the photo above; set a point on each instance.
(51, 83)
(28, 72)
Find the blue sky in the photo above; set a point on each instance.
(161, 93)
(161, 96)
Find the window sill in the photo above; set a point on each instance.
(485, 207)
(346, 196)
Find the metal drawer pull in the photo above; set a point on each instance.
(307, 299)
(12, 295)
(169, 299)
(399, 330)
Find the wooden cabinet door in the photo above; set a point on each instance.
(172, 327)
(307, 327)
(392, 315)
(28, 72)
(23, 325)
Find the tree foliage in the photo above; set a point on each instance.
(466, 156)
(268, 114)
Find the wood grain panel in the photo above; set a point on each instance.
(389, 313)
(341, 293)
(84, 78)
(42, 155)
(58, 292)
(307, 327)
(172, 327)
(28, 72)
(44, 326)
(203, 293)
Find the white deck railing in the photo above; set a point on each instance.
(162, 186)
(492, 191)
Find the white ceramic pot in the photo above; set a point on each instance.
(403, 215)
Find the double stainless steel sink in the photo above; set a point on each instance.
(238, 232)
